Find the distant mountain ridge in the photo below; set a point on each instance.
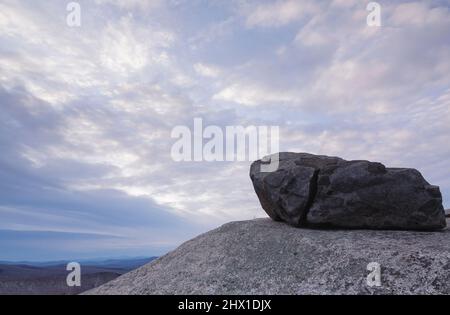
(50, 277)
(91, 261)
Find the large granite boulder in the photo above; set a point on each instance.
(266, 257)
(327, 191)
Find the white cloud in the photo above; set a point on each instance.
(278, 13)
(418, 14)
(132, 4)
(127, 47)
(207, 70)
(311, 38)
(252, 95)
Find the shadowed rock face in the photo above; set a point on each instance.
(329, 191)
(287, 194)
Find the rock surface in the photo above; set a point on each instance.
(266, 257)
(329, 191)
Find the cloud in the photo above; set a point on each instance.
(278, 13)
(207, 70)
(246, 94)
(418, 14)
(86, 113)
(132, 4)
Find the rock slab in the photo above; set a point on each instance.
(314, 190)
(262, 256)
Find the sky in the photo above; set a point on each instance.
(86, 113)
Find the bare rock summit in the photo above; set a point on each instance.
(262, 256)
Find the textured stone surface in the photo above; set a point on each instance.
(266, 257)
(331, 192)
(365, 194)
(287, 194)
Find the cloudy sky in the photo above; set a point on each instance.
(86, 112)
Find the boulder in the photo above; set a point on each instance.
(265, 257)
(322, 191)
(287, 194)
